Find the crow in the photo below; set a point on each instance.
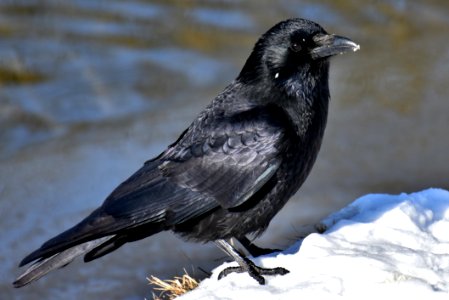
(231, 170)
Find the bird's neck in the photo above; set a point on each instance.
(305, 98)
(309, 107)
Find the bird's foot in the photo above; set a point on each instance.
(253, 271)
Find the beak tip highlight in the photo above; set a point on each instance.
(355, 47)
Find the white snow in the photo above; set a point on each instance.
(394, 246)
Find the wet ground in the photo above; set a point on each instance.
(91, 89)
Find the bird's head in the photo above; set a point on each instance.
(293, 50)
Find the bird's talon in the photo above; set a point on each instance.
(254, 271)
(230, 270)
(274, 271)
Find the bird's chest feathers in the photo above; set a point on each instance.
(306, 103)
(301, 119)
(308, 117)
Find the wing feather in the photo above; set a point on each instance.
(228, 163)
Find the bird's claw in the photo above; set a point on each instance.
(254, 271)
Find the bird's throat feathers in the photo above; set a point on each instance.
(306, 97)
(305, 85)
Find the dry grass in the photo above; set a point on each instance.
(172, 288)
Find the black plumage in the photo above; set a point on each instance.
(232, 169)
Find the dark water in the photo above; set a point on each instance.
(91, 89)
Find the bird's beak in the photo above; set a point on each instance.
(331, 44)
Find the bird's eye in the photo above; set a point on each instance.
(296, 47)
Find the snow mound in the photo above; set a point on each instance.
(378, 246)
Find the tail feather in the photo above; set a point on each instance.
(105, 248)
(59, 260)
(122, 238)
(91, 228)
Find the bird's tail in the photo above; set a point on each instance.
(59, 260)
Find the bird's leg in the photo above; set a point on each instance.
(246, 265)
(254, 250)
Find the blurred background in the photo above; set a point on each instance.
(90, 89)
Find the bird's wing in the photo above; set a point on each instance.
(146, 200)
(149, 197)
(229, 162)
(221, 165)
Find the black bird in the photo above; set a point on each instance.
(231, 170)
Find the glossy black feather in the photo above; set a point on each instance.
(233, 168)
